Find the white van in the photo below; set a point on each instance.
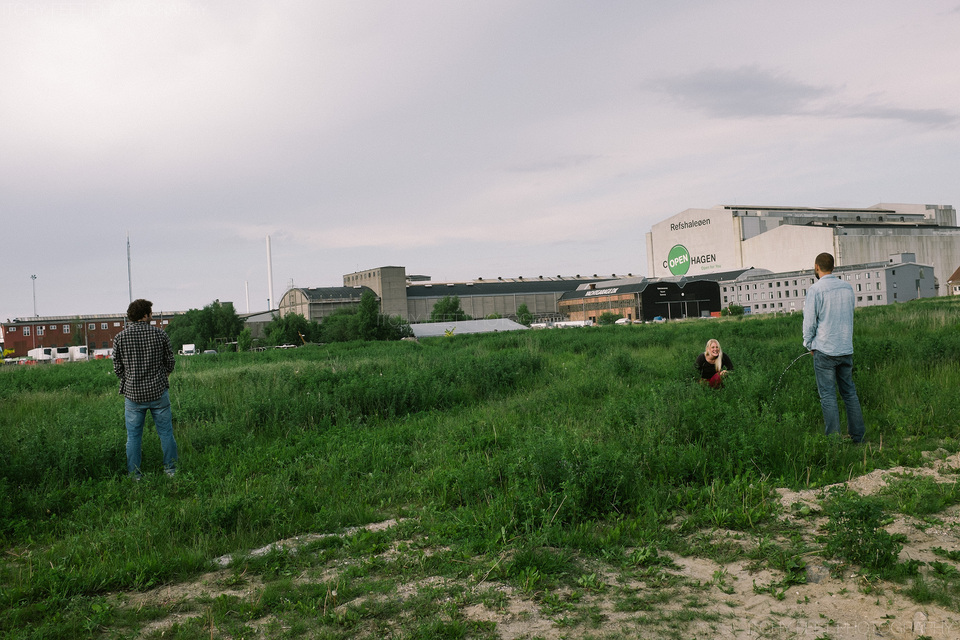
(41, 354)
(78, 353)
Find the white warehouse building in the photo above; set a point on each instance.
(700, 242)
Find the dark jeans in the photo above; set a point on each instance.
(135, 414)
(836, 373)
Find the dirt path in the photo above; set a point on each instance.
(708, 600)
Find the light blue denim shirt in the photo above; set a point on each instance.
(828, 317)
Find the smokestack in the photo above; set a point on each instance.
(270, 301)
(129, 276)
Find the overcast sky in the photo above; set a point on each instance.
(459, 139)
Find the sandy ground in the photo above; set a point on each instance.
(724, 596)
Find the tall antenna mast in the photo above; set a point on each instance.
(270, 301)
(129, 276)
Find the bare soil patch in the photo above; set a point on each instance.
(705, 599)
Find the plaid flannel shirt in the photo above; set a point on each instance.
(143, 360)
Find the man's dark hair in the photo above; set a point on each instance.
(825, 262)
(139, 309)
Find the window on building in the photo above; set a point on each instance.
(116, 324)
(878, 286)
(91, 326)
(26, 331)
(893, 272)
(859, 298)
(748, 297)
(858, 276)
(879, 297)
(869, 298)
(106, 345)
(12, 329)
(66, 328)
(858, 287)
(53, 327)
(40, 330)
(103, 325)
(868, 275)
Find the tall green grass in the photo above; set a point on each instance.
(579, 438)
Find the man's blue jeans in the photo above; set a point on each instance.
(836, 373)
(135, 414)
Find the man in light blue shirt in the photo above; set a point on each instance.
(828, 335)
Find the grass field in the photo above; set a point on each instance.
(511, 457)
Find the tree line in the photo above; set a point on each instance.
(217, 326)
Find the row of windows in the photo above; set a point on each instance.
(797, 293)
(92, 345)
(779, 305)
(798, 282)
(66, 328)
(770, 285)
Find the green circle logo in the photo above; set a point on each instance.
(678, 260)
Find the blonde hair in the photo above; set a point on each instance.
(719, 363)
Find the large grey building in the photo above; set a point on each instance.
(317, 303)
(783, 239)
(413, 297)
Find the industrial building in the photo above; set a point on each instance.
(899, 279)
(319, 302)
(413, 297)
(95, 331)
(698, 242)
(643, 299)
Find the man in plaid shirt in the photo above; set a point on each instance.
(143, 360)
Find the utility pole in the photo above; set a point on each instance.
(129, 276)
(34, 278)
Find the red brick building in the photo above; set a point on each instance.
(94, 331)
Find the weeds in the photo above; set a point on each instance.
(522, 457)
(855, 532)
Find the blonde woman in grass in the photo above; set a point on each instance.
(713, 364)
